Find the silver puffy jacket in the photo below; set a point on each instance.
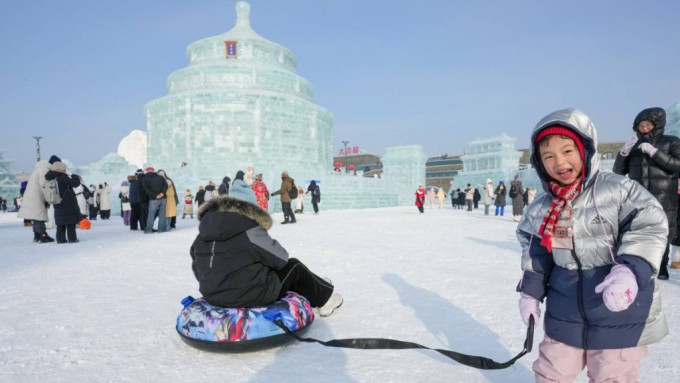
(613, 217)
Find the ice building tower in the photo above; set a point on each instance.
(239, 103)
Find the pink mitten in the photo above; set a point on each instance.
(648, 148)
(618, 289)
(528, 305)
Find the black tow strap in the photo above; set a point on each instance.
(479, 362)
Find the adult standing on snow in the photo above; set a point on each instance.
(200, 196)
(224, 186)
(33, 204)
(488, 195)
(469, 196)
(66, 213)
(104, 193)
(136, 221)
(440, 197)
(653, 159)
(155, 187)
(500, 198)
(517, 198)
(287, 184)
(171, 201)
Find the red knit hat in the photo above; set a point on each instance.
(561, 130)
(149, 169)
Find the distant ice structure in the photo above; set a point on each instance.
(497, 159)
(9, 186)
(133, 148)
(112, 169)
(673, 120)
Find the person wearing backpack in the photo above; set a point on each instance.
(66, 213)
(287, 185)
(33, 204)
(316, 195)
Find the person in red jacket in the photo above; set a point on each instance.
(420, 198)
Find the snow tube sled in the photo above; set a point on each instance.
(215, 328)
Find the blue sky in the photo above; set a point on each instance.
(434, 73)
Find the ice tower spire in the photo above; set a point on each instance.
(243, 14)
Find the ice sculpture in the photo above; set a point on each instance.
(9, 186)
(494, 157)
(673, 119)
(227, 111)
(133, 148)
(238, 104)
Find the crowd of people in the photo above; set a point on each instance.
(149, 201)
(470, 197)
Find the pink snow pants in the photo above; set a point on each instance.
(558, 362)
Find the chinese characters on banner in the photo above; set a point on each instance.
(231, 48)
(352, 150)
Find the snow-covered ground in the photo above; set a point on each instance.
(104, 310)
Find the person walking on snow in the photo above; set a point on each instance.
(420, 198)
(287, 184)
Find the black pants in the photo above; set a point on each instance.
(39, 227)
(144, 207)
(136, 221)
(421, 208)
(66, 230)
(315, 205)
(93, 212)
(105, 214)
(287, 212)
(295, 276)
(173, 222)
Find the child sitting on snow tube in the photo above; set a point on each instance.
(237, 263)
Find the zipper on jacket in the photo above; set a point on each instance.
(212, 254)
(581, 307)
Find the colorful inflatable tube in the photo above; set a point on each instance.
(214, 328)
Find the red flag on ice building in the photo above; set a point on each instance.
(231, 48)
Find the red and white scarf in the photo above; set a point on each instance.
(563, 195)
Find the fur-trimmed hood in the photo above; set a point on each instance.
(225, 204)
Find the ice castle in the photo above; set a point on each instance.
(240, 104)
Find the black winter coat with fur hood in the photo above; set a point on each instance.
(233, 256)
(658, 174)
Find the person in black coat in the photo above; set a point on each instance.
(316, 195)
(66, 213)
(653, 159)
(200, 196)
(156, 188)
(223, 189)
(237, 263)
(143, 199)
(476, 197)
(136, 221)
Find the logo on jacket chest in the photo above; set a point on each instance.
(597, 220)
